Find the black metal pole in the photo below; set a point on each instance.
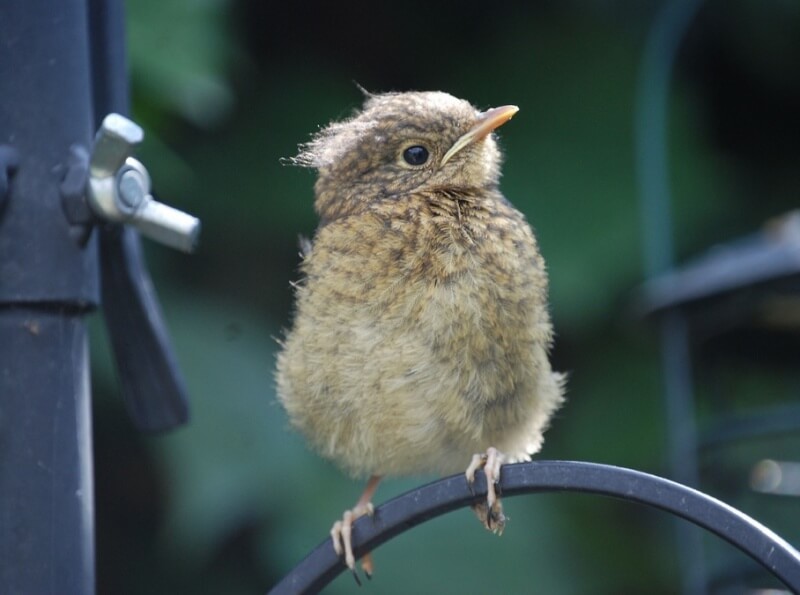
(661, 49)
(48, 283)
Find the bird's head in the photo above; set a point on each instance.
(401, 143)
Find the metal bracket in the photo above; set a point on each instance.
(120, 188)
(73, 194)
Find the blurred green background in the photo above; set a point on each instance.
(226, 88)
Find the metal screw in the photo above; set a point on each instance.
(119, 188)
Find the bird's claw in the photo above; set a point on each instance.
(342, 537)
(492, 517)
(478, 462)
(490, 512)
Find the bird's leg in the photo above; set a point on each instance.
(490, 512)
(342, 531)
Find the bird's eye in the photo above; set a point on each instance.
(416, 155)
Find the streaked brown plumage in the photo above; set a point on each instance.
(421, 332)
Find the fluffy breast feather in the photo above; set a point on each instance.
(445, 301)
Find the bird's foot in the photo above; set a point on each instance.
(489, 512)
(342, 531)
(342, 536)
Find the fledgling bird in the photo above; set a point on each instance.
(421, 332)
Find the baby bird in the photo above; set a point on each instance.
(421, 332)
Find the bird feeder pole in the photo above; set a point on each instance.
(67, 204)
(49, 282)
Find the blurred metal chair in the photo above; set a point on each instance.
(733, 309)
(740, 307)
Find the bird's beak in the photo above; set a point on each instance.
(487, 122)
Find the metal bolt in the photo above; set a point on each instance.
(132, 192)
(119, 188)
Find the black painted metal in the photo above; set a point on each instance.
(46, 494)
(322, 565)
(151, 383)
(48, 283)
(737, 428)
(665, 37)
(46, 108)
(152, 386)
(764, 257)
(9, 161)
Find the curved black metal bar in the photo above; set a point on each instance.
(322, 565)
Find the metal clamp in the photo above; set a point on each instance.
(119, 188)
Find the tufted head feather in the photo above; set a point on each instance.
(361, 158)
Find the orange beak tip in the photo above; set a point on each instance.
(486, 123)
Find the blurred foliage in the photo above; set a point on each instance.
(225, 88)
